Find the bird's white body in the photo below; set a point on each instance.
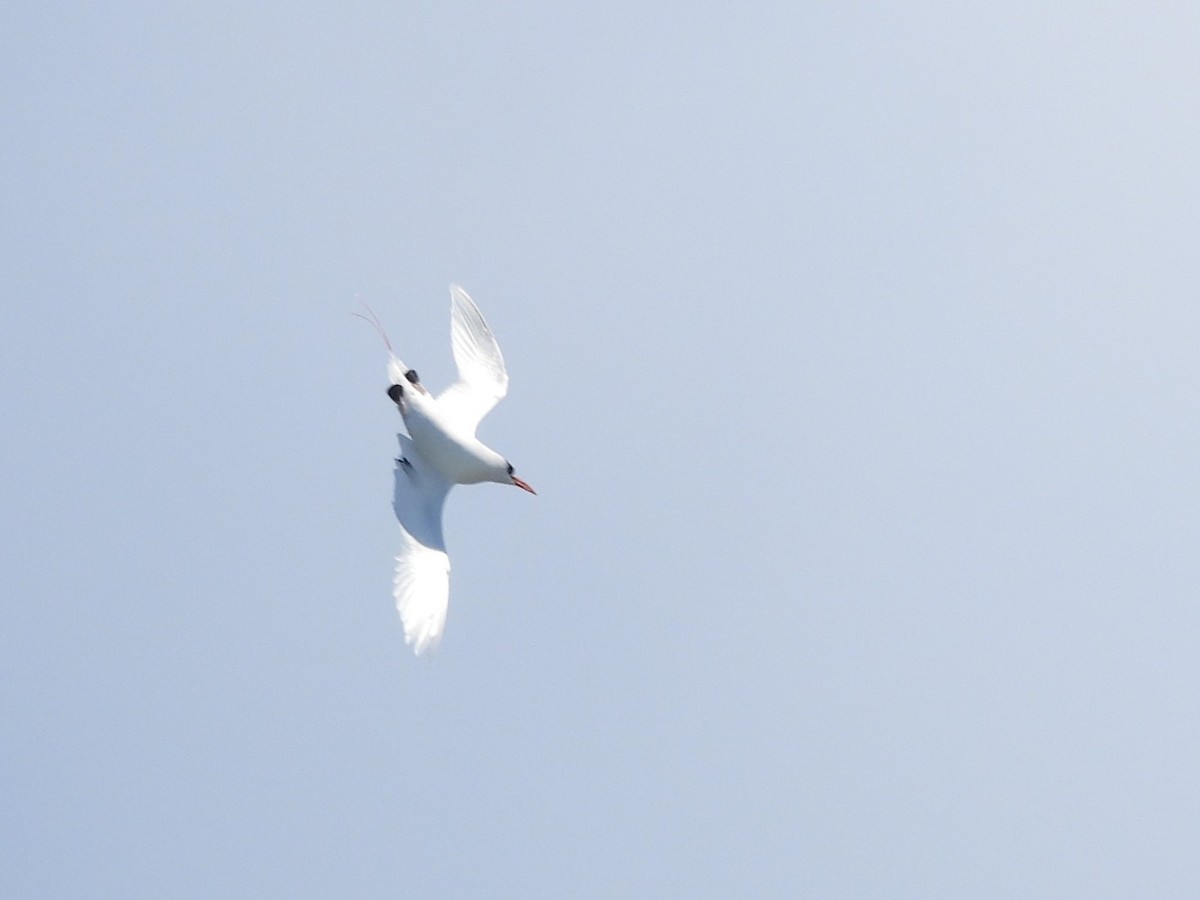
(460, 458)
(440, 451)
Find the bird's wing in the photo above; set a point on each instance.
(422, 582)
(482, 379)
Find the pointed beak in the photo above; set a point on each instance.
(522, 485)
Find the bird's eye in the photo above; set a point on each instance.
(412, 376)
(510, 469)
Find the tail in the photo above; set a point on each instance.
(396, 368)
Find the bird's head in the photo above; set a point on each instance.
(513, 479)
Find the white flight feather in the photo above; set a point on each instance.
(482, 378)
(421, 587)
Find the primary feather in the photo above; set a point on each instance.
(482, 378)
(421, 587)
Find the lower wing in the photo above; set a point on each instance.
(422, 582)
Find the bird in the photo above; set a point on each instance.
(439, 451)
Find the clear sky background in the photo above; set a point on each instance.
(854, 356)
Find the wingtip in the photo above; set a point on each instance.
(424, 644)
(458, 294)
(422, 635)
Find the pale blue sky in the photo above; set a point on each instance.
(854, 358)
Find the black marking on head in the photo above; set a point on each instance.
(395, 392)
(412, 376)
(510, 468)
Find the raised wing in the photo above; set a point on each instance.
(422, 582)
(482, 379)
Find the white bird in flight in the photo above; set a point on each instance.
(440, 451)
